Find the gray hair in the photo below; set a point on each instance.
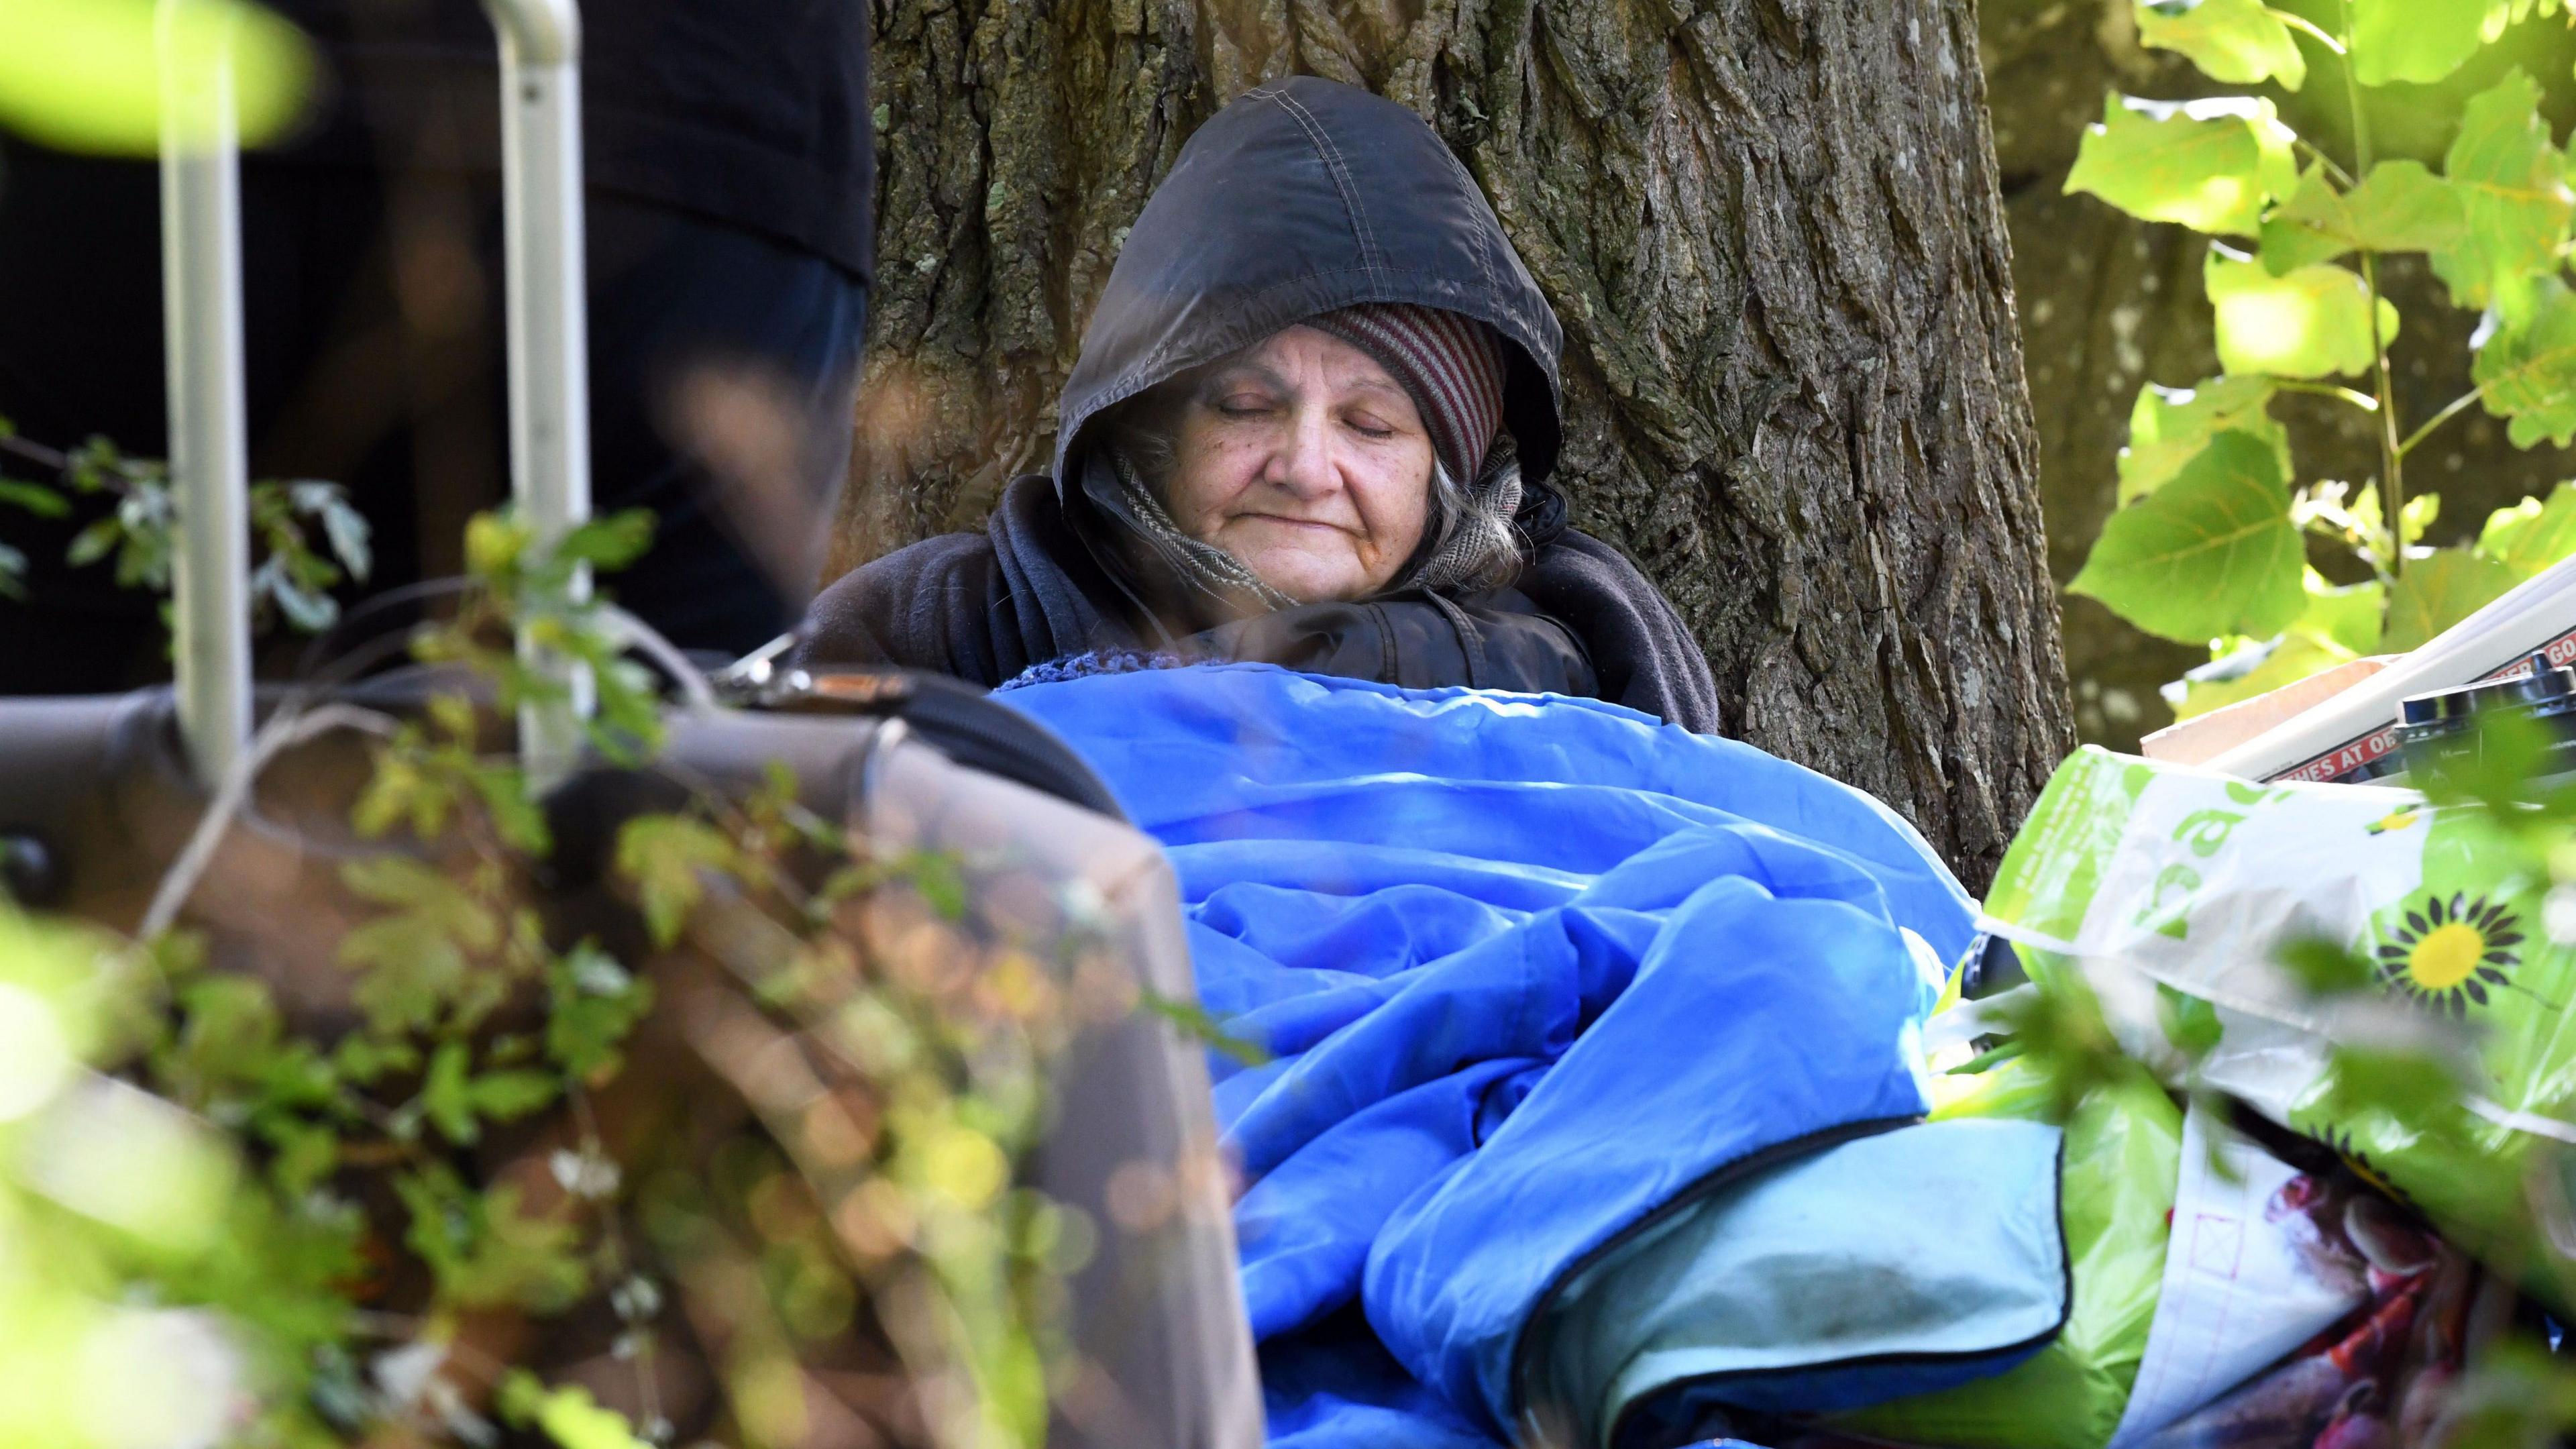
(1469, 540)
(1472, 541)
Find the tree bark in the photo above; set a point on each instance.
(1793, 382)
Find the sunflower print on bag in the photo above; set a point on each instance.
(2447, 953)
(2358, 1163)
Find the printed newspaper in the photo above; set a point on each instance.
(2352, 737)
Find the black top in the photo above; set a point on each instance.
(1028, 590)
(752, 112)
(1297, 198)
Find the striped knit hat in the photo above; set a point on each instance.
(1451, 364)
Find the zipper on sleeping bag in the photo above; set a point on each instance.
(1736, 1171)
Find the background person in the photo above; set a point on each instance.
(729, 159)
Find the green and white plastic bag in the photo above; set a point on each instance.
(2172, 892)
(2261, 1261)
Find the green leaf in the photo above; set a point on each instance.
(662, 856)
(2512, 184)
(445, 1096)
(1197, 1024)
(401, 791)
(2212, 552)
(85, 75)
(2337, 626)
(349, 534)
(2398, 207)
(2191, 1024)
(569, 1415)
(2533, 534)
(592, 1005)
(399, 880)
(13, 573)
(2420, 40)
(2315, 322)
(483, 1250)
(454, 717)
(2526, 370)
(95, 542)
(2417, 517)
(609, 543)
(2439, 590)
(363, 1059)
(494, 544)
(2241, 42)
(2346, 620)
(2324, 967)
(413, 960)
(2285, 660)
(411, 969)
(35, 498)
(516, 816)
(227, 1040)
(2209, 165)
(937, 874)
(2169, 426)
(306, 1154)
(307, 610)
(506, 1096)
(628, 725)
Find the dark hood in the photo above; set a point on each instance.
(1300, 197)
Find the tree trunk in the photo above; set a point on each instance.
(1793, 382)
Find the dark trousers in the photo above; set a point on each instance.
(724, 366)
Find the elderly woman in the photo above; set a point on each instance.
(1311, 425)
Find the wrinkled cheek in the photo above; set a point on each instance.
(1208, 481)
(1394, 522)
(1386, 549)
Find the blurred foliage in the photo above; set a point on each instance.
(307, 537)
(2210, 542)
(225, 1218)
(86, 75)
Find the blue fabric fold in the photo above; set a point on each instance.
(1531, 971)
(1899, 1263)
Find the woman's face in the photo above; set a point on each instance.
(1307, 461)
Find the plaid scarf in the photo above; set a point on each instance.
(1196, 565)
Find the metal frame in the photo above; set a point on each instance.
(549, 359)
(209, 447)
(549, 331)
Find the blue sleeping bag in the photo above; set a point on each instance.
(1539, 979)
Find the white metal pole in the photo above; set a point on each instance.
(209, 453)
(549, 339)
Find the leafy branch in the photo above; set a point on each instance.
(2209, 544)
(2392, 459)
(308, 537)
(856, 1051)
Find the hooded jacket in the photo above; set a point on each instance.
(1300, 197)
